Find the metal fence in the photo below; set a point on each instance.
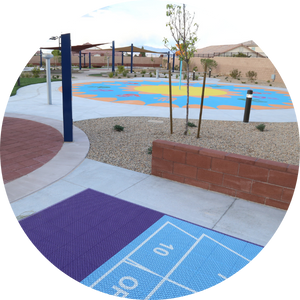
(231, 54)
(227, 54)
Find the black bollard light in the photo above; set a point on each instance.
(209, 73)
(193, 75)
(248, 106)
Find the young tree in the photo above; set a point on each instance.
(57, 56)
(183, 30)
(211, 63)
(143, 54)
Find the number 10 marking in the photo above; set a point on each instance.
(161, 251)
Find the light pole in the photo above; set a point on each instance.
(48, 56)
(54, 38)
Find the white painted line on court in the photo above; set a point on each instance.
(174, 268)
(126, 257)
(129, 261)
(183, 231)
(222, 276)
(135, 264)
(228, 248)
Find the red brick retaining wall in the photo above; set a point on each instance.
(258, 180)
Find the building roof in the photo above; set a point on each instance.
(219, 49)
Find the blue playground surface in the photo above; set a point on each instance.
(156, 93)
(171, 259)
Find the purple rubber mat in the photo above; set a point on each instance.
(82, 232)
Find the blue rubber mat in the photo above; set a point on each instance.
(171, 259)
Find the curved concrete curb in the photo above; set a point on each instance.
(66, 160)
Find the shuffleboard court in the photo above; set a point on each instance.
(156, 93)
(127, 250)
(171, 259)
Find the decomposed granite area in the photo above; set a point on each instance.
(129, 148)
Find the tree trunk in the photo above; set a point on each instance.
(187, 98)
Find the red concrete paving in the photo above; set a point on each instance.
(26, 146)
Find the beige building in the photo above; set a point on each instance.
(248, 48)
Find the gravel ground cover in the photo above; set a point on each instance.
(129, 148)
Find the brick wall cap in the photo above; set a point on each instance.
(188, 148)
(213, 153)
(270, 164)
(293, 169)
(165, 144)
(241, 158)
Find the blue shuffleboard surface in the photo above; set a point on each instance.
(171, 259)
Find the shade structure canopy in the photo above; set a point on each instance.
(134, 49)
(76, 48)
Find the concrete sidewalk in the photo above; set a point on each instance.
(69, 174)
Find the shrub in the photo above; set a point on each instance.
(36, 72)
(125, 72)
(111, 75)
(190, 124)
(251, 75)
(235, 74)
(121, 69)
(118, 128)
(143, 72)
(240, 54)
(261, 127)
(150, 150)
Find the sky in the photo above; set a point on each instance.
(143, 23)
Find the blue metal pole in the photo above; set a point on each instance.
(66, 68)
(113, 57)
(84, 60)
(79, 60)
(168, 59)
(180, 75)
(122, 58)
(173, 62)
(131, 64)
(90, 65)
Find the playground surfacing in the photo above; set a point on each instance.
(156, 93)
